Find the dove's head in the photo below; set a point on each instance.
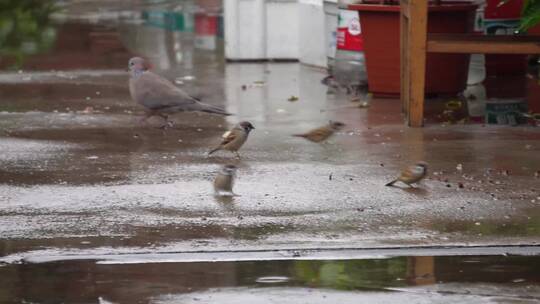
(137, 65)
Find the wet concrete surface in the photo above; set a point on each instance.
(79, 176)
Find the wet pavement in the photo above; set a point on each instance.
(81, 181)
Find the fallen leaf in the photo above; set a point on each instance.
(292, 98)
(363, 105)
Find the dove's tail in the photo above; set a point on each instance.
(391, 183)
(203, 107)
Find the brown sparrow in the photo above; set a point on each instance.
(411, 175)
(235, 138)
(322, 133)
(224, 181)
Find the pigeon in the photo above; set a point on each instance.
(411, 175)
(159, 96)
(235, 138)
(322, 133)
(224, 181)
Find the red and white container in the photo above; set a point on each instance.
(206, 28)
(350, 66)
(349, 32)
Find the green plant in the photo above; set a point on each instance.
(25, 28)
(530, 15)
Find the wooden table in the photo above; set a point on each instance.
(415, 43)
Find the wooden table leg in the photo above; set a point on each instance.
(404, 51)
(413, 50)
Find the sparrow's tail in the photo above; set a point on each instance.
(214, 150)
(391, 183)
(203, 107)
(300, 135)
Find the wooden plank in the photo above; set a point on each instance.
(416, 45)
(404, 55)
(476, 37)
(404, 8)
(479, 44)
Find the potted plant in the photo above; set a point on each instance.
(530, 15)
(380, 23)
(530, 23)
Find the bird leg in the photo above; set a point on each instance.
(167, 123)
(147, 115)
(237, 154)
(391, 184)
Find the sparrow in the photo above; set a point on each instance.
(322, 133)
(234, 139)
(412, 174)
(224, 181)
(159, 96)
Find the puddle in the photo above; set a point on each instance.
(416, 279)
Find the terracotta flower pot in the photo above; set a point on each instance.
(445, 73)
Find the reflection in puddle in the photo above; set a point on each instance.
(49, 35)
(271, 280)
(420, 279)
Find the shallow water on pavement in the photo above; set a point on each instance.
(416, 279)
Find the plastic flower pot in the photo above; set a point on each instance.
(445, 73)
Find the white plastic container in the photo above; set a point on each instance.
(477, 65)
(261, 29)
(312, 46)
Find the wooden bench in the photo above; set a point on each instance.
(416, 42)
